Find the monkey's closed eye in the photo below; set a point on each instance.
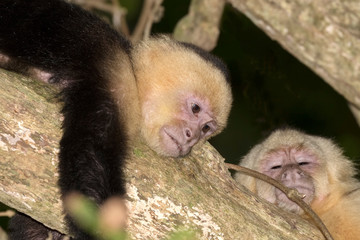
(303, 163)
(276, 167)
(195, 108)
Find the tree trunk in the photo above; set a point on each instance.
(201, 25)
(196, 192)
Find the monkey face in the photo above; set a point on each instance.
(316, 167)
(292, 167)
(184, 120)
(184, 98)
(193, 123)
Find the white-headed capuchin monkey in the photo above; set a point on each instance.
(172, 94)
(316, 167)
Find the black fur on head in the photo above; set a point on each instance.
(215, 61)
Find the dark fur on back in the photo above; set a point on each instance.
(33, 229)
(71, 44)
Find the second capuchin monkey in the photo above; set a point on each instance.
(173, 95)
(317, 168)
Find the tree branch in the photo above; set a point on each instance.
(151, 12)
(322, 34)
(201, 25)
(196, 192)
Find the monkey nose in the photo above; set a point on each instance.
(284, 175)
(191, 136)
(188, 133)
(292, 175)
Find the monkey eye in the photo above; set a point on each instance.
(303, 163)
(195, 108)
(276, 167)
(205, 128)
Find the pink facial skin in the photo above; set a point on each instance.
(41, 75)
(193, 123)
(36, 73)
(293, 167)
(3, 59)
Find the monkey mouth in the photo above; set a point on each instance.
(175, 142)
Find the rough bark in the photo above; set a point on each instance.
(196, 192)
(201, 25)
(322, 34)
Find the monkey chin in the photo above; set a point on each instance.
(284, 202)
